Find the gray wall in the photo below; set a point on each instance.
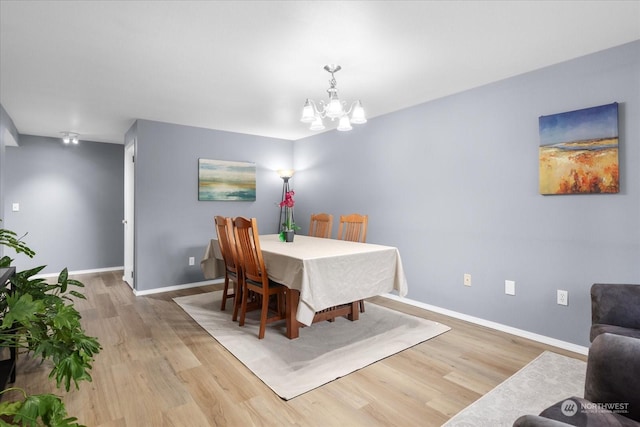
(71, 202)
(454, 184)
(171, 225)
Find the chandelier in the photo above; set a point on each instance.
(334, 109)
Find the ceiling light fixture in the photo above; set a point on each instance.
(70, 137)
(335, 109)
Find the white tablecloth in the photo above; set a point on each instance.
(212, 265)
(330, 272)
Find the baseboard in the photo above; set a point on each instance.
(494, 325)
(92, 271)
(177, 287)
(136, 292)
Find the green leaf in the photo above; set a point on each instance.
(62, 280)
(10, 408)
(10, 238)
(77, 294)
(70, 368)
(66, 317)
(5, 261)
(31, 272)
(63, 276)
(76, 283)
(46, 407)
(24, 310)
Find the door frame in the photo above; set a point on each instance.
(128, 221)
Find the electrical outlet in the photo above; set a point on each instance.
(467, 279)
(509, 287)
(563, 297)
(192, 260)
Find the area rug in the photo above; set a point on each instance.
(324, 351)
(546, 380)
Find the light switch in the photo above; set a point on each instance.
(15, 207)
(509, 287)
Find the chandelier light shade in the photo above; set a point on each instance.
(70, 137)
(315, 113)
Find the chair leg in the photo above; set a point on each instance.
(237, 299)
(263, 315)
(225, 292)
(361, 306)
(243, 309)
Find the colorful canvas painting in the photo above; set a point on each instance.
(222, 180)
(579, 151)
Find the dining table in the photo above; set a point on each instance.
(328, 277)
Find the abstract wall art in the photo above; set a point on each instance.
(578, 151)
(221, 180)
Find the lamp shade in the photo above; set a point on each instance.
(334, 109)
(358, 116)
(308, 114)
(285, 173)
(317, 124)
(344, 124)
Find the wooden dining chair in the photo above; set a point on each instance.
(321, 225)
(232, 273)
(254, 274)
(354, 229)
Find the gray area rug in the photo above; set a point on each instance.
(325, 351)
(547, 379)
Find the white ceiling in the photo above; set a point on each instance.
(93, 67)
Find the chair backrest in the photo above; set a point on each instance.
(612, 364)
(321, 225)
(615, 304)
(227, 242)
(353, 228)
(248, 250)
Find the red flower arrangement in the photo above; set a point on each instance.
(288, 204)
(288, 200)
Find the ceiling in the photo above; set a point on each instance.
(94, 67)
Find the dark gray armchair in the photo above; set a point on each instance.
(615, 308)
(611, 393)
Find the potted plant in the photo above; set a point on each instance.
(38, 318)
(289, 227)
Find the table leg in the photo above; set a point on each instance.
(355, 311)
(293, 326)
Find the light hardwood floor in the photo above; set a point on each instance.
(159, 368)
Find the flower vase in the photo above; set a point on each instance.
(288, 235)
